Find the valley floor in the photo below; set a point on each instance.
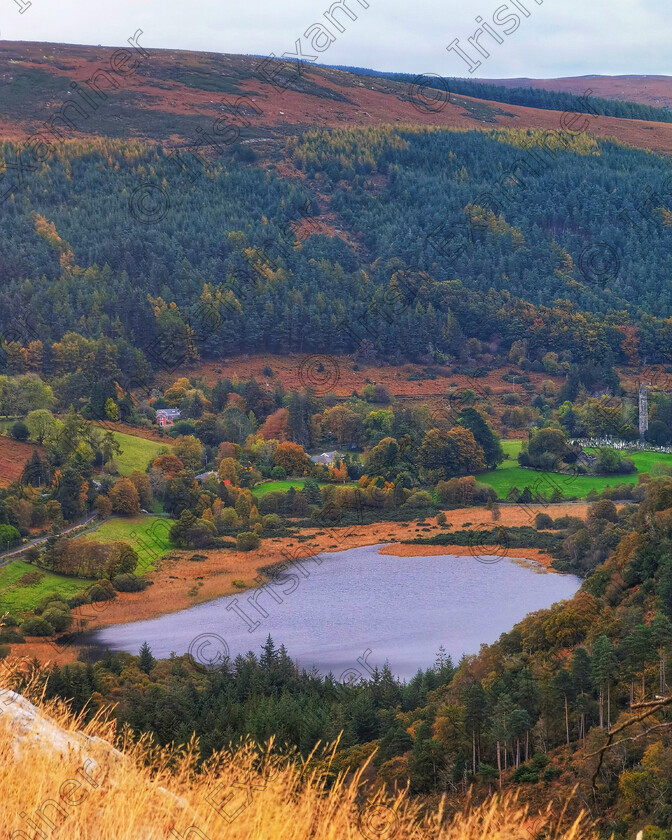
(181, 583)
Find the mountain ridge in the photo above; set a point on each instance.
(166, 98)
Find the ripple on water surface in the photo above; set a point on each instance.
(327, 615)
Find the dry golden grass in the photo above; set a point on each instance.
(145, 793)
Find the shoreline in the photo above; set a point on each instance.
(536, 556)
(178, 584)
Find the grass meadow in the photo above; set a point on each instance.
(509, 475)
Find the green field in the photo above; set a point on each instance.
(296, 483)
(272, 486)
(137, 531)
(148, 535)
(18, 598)
(136, 452)
(509, 475)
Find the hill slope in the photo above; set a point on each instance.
(172, 96)
(79, 780)
(648, 90)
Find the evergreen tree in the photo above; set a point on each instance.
(269, 655)
(473, 420)
(661, 631)
(639, 650)
(605, 667)
(581, 678)
(475, 718)
(147, 661)
(395, 742)
(427, 761)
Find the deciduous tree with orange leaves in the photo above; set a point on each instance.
(124, 497)
(292, 457)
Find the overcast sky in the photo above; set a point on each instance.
(558, 38)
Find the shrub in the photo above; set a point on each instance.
(539, 761)
(20, 431)
(37, 627)
(660, 468)
(11, 636)
(79, 600)
(272, 522)
(53, 601)
(239, 584)
(9, 621)
(60, 620)
(279, 473)
(32, 555)
(441, 518)
(272, 502)
(129, 583)
(420, 499)
(102, 591)
(526, 774)
(572, 523)
(543, 522)
(247, 541)
(611, 461)
(198, 558)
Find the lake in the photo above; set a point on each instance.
(357, 605)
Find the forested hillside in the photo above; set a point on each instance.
(409, 239)
(532, 97)
(645, 89)
(397, 240)
(530, 711)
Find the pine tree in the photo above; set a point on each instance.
(563, 685)
(605, 667)
(473, 420)
(474, 719)
(147, 661)
(443, 666)
(427, 760)
(581, 677)
(269, 655)
(661, 630)
(520, 724)
(639, 651)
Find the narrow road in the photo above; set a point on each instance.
(7, 556)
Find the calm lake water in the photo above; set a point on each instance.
(400, 609)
